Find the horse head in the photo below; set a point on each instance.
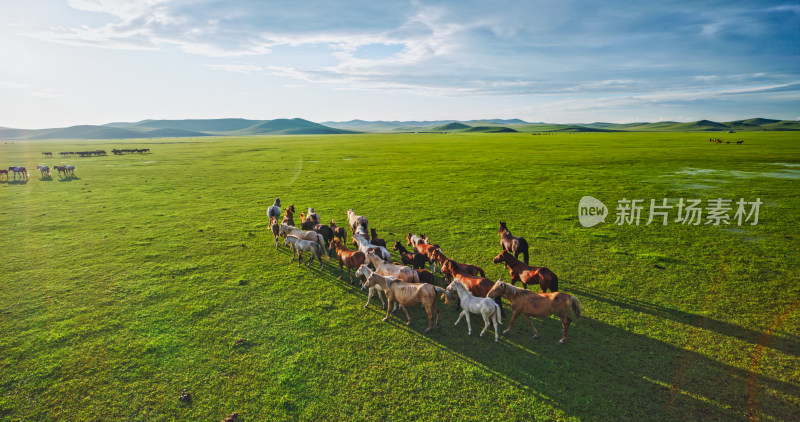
(500, 258)
(497, 290)
(277, 202)
(502, 227)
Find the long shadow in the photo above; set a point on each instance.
(605, 372)
(782, 341)
(17, 182)
(68, 178)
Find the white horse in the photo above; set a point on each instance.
(488, 308)
(45, 170)
(70, 169)
(287, 230)
(274, 210)
(400, 272)
(364, 246)
(299, 246)
(365, 272)
(356, 220)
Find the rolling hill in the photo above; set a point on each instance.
(296, 126)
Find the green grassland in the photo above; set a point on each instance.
(133, 281)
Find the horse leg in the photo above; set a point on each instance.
(469, 325)
(511, 323)
(299, 257)
(408, 317)
(535, 333)
(461, 315)
(486, 321)
(369, 295)
(389, 301)
(429, 311)
(341, 273)
(564, 327)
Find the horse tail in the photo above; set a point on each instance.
(497, 314)
(416, 276)
(321, 241)
(439, 291)
(525, 254)
(480, 270)
(554, 284)
(576, 306)
(321, 249)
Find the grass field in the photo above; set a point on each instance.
(134, 280)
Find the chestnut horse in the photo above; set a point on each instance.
(347, 258)
(305, 223)
(478, 286)
(528, 274)
(468, 269)
(406, 294)
(339, 232)
(515, 245)
(288, 216)
(528, 303)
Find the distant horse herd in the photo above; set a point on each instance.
(410, 284)
(719, 141)
(63, 170)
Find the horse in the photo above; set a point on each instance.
(313, 216)
(326, 232)
(21, 170)
(485, 306)
(4, 171)
(422, 246)
(45, 170)
(528, 303)
(276, 229)
(400, 272)
(478, 286)
(70, 169)
(347, 258)
(405, 294)
(61, 169)
(286, 230)
(366, 247)
(365, 272)
(375, 240)
(425, 276)
(305, 223)
(274, 211)
(288, 216)
(413, 239)
(355, 221)
(739, 142)
(528, 274)
(515, 245)
(415, 260)
(299, 246)
(468, 269)
(339, 232)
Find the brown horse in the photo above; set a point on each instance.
(288, 216)
(276, 229)
(406, 294)
(515, 245)
(306, 223)
(375, 240)
(468, 269)
(347, 258)
(528, 274)
(478, 286)
(415, 260)
(528, 303)
(339, 232)
(425, 276)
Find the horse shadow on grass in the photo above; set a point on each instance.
(605, 372)
(68, 178)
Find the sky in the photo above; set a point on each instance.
(69, 62)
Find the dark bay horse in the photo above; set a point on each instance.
(4, 171)
(528, 303)
(515, 245)
(527, 274)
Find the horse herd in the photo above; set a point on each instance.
(22, 172)
(410, 284)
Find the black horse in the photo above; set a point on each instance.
(515, 245)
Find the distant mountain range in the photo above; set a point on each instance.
(244, 127)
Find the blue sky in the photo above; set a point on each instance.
(65, 62)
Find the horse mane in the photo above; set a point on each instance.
(513, 290)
